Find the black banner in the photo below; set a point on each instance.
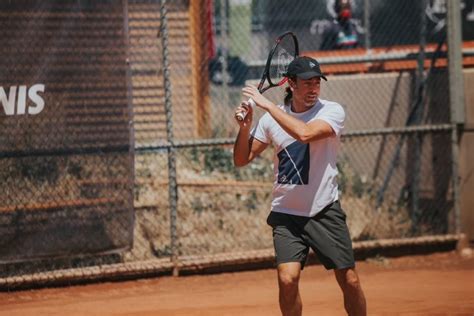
(66, 152)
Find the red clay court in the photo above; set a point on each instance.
(435, 284)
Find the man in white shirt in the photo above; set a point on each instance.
(305, 211)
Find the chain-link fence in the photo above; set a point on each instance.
(117, 128)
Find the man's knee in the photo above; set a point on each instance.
(348, 278)
(288, 280)
(288, 276)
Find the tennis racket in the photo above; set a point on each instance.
(281, 55)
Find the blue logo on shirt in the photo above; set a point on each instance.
(293, 164)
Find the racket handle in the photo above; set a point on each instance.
(241, 116)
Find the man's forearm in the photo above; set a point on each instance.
(299, 130)
(294, 127)
(242, 147)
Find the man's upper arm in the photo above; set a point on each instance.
(259, 138)
(320, 129)
(256, 147)
(329, 124)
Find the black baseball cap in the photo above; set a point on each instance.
(304, 67)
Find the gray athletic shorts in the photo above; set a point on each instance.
(326, 233)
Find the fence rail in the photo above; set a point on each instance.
(202, 263)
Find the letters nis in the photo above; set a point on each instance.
(14, 102)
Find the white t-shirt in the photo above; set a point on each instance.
(305, 174)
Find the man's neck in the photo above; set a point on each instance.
(297, 107)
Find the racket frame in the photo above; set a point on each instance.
(266, 73)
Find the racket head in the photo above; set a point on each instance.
(284, 51)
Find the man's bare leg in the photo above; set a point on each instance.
(288, 281)
(354, 299)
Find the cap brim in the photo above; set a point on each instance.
(311, 74)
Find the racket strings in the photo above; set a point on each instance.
(284, 54)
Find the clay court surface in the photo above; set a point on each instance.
(435, 284)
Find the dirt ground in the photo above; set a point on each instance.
(435, 284)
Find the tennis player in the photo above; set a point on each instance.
(305, 211)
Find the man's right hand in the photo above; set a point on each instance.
(242, 108)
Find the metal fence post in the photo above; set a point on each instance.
(224, 50)
(172, 184)
(418, 116)
(456, 95)
(129, 101)
(367, 25)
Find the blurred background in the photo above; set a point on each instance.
(117, 128)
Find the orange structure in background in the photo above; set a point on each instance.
(383, 66)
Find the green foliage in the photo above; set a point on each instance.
(342, 177)
(220, 160)
(217, 158)
(251, 202)
(197, 206)
(359, 187)
(352, 183)
(159, 252)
